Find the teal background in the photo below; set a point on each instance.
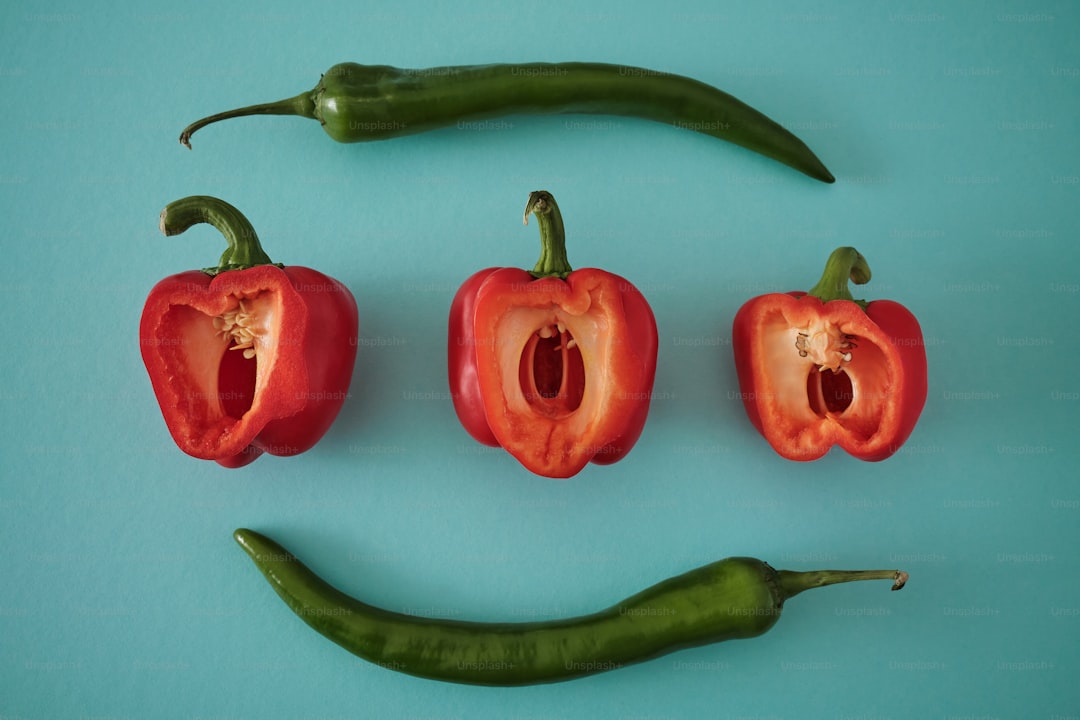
(952, 130)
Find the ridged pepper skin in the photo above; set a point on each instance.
(557, 371)
(817, 373)
(251, 360)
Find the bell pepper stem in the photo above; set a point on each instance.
(845, 263)
(302, 105)
(792, 583)
(244, 249)
(552, 262)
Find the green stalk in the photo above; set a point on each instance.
(845, 263)
(792, 582)
(553, 261)
(302, 105)
(244, 249)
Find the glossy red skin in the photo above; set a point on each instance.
(544, 445)
(304, 376)
(887, 335)
(464, 374)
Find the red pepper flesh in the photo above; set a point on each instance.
(250, 359)
(819, 369)
(557, 369)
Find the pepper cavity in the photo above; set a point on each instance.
(242, 328)
(827, 348)
(552, 372)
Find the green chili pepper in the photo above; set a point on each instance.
(737, 597)
(375, 102)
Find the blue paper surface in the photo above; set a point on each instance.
(952, 131)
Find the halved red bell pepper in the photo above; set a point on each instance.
(554, 365)
(818, 368)
(247, 357)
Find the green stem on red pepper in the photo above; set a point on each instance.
(244, 249)
(553, 261)
(845, 263)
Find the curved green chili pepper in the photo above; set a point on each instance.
(375, 102)
(733, 598)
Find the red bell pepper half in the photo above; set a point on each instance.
(554, 365)
(818, 368)
(247, 357)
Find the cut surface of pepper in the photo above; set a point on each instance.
(355, 103)
(734, 598)
(819, 369)
(554, 365)
(246, 357)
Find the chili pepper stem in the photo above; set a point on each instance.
(244, 249)
(302, 105)
(844, 264)
(792, 583)
(553, 261)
